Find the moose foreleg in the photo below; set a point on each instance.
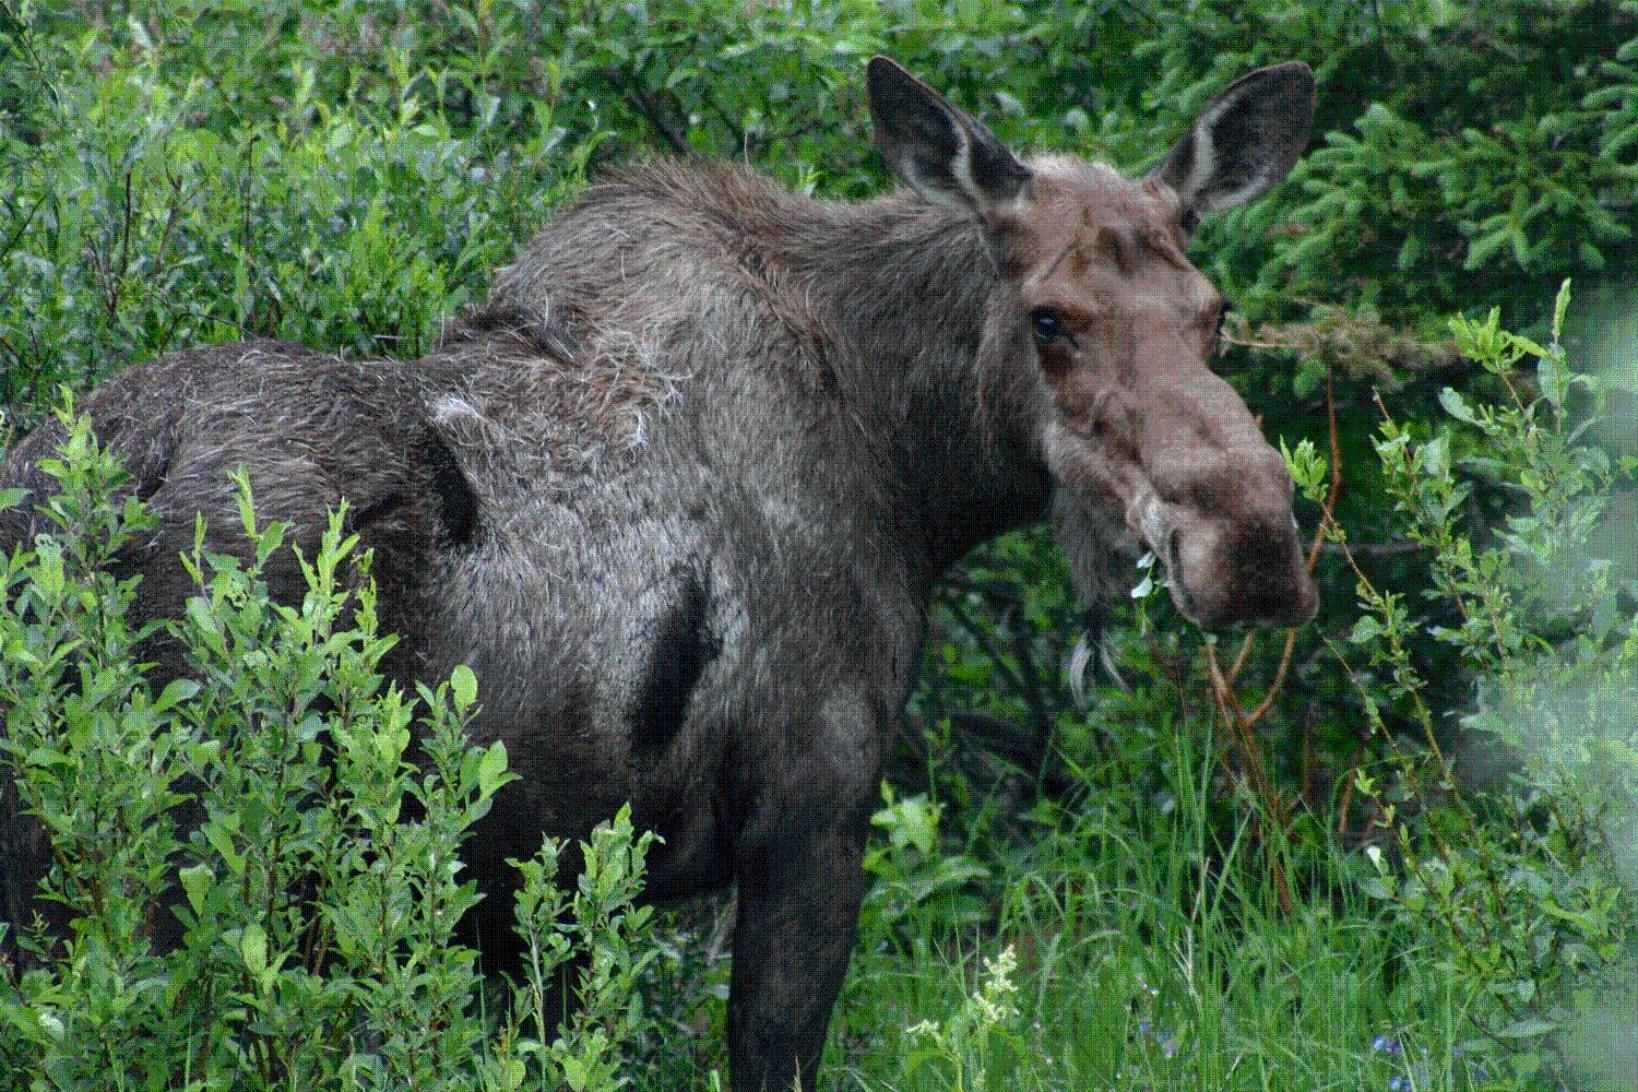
(798, 866)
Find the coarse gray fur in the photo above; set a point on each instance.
(678, 494)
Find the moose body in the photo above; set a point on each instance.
(679, 492)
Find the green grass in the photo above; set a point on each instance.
(1153, 953)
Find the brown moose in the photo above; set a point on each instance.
(678, 493)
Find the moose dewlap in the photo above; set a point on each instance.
(679, 491)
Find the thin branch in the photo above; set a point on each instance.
(1372, 549)
(1274, 687)
(1229, 705)
(1348, 790)
(1240, 658)
(638, 98)
(1228, 700)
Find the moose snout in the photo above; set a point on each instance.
(1241, 573)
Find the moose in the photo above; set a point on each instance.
(680, 489)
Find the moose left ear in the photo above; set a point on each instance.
(946, 155)
(1244, 142)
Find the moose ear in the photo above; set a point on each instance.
(1244, 142)
(945, 155)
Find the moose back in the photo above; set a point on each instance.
(678, 493)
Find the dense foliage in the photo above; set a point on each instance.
(318, 916)
(1396, 851)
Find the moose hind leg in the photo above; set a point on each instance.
(798, 867)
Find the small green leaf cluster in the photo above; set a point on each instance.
(612, 937)
(913, 880)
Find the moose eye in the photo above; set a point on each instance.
(1047, 324)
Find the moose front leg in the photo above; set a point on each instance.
(798, 867)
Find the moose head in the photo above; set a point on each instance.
(1119, 329)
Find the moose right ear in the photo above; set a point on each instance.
(1245, 140)
(943, 153)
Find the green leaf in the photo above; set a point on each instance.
(574, 1072)
(176, 691)
(196, 882)
(45, 757)
(464, 685)
(1561, 307)
(512, 1074)
(1366, 630)
(1457, 406)
(1553, 379)
(1575, 917)
(253, 947)
(1534, 348)
(492, 769)
(1527, 1028)
(222, 842)
(1434, 456)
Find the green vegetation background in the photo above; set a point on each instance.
(1420, 889)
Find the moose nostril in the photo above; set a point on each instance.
(1241, 576)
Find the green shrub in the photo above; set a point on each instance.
(273, 803)
(1514, 854)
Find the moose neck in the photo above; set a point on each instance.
(906, 291)
(889, 297)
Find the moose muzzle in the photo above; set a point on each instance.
(1223, 528)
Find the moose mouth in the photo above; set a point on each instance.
(1223, 574)
(1182, 598)
(1165, 554)
(1161, 537)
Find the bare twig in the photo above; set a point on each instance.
(638, 98)
(1348, 790)
(1228, 699)
(1228, 703)
(1371, 549)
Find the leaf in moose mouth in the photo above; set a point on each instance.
(1147, 585)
